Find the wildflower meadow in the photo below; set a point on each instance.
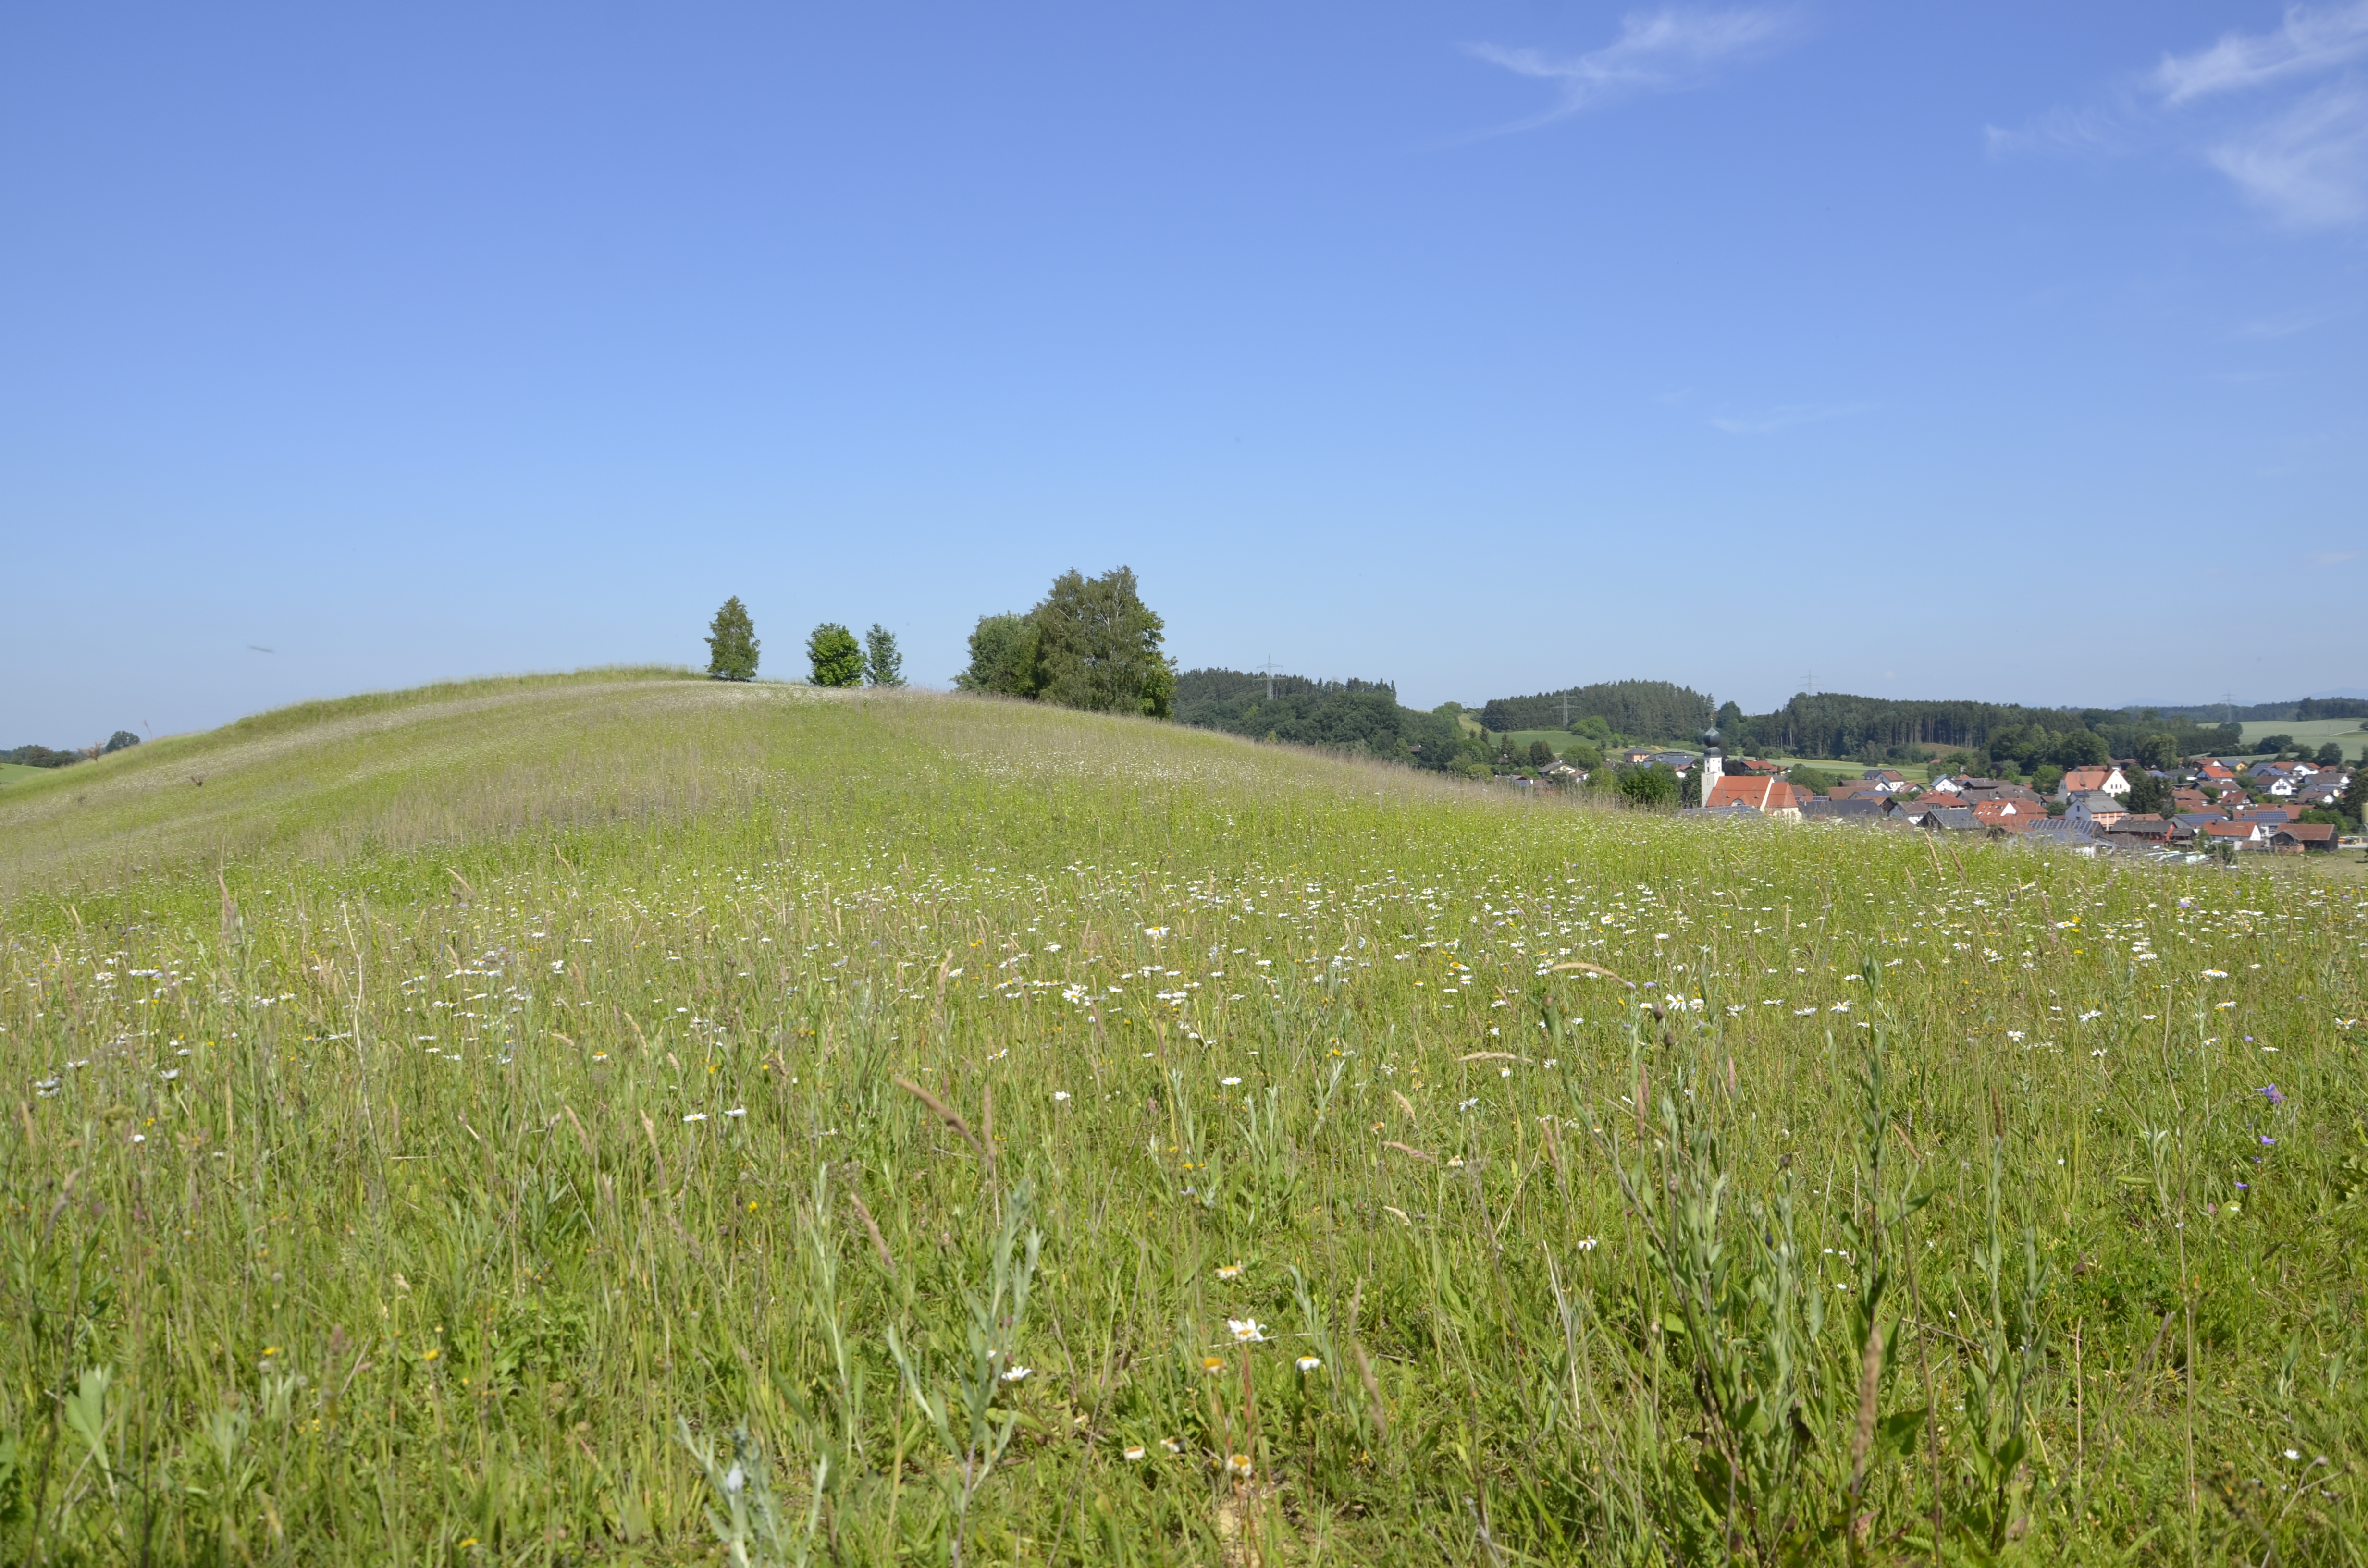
(629, 1119)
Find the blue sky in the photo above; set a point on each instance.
(2007, 351)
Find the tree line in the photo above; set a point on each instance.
(1090, 643)
(1874, 729)
(46, 756)
(833, 655)
(1877, 729)
(1657, 709)
(1359, 716)
(1093, 644)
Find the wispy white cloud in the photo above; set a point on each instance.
(2288, 323)
(1784, 415)
(2311, 40)
(1657, 51)
(2256, 107)
(2333, 558)
(2093, 130)
(2309, 166)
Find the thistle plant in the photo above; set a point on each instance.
(846, 1370)
(1740, 1331)
(963, 1414)
(1791, 1433)
(2001, 1368)
(746, 1517)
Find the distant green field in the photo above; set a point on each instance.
(16, 773)
(2314, 732)
(1560, 740)
(570, 1121)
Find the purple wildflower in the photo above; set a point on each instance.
(2267, 1138)
(2269, 1093)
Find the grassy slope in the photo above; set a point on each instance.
(421, 1251)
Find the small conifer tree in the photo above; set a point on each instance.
(836, 656)
(882, 665)
(732, 642)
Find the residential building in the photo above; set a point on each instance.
(1848, 808)
(2110, 778)
(2097, 806)
(1769, 797)
(2141, 824)
(2240, 834)
(2014, 817)
(2078, 835)
(1970, 790)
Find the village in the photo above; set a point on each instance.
(2202, 808)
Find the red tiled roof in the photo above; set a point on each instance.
(1760, 794)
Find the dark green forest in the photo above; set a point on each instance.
(1645, 710)
(2308, 707)
(1366, 717)
(1875, 729)
(1359, 716)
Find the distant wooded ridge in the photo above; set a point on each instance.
(1365, 716)
(1361, 716)
(1842, 725)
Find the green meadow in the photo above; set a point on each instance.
(2312, 732)
(623, 1117)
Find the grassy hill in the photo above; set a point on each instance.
(473, 1125)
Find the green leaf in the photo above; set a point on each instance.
(1895, 1433)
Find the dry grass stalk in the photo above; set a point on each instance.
(871, 1228)
(946, 1114)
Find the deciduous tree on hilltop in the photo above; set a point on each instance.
(732, 642)
(835, 656)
